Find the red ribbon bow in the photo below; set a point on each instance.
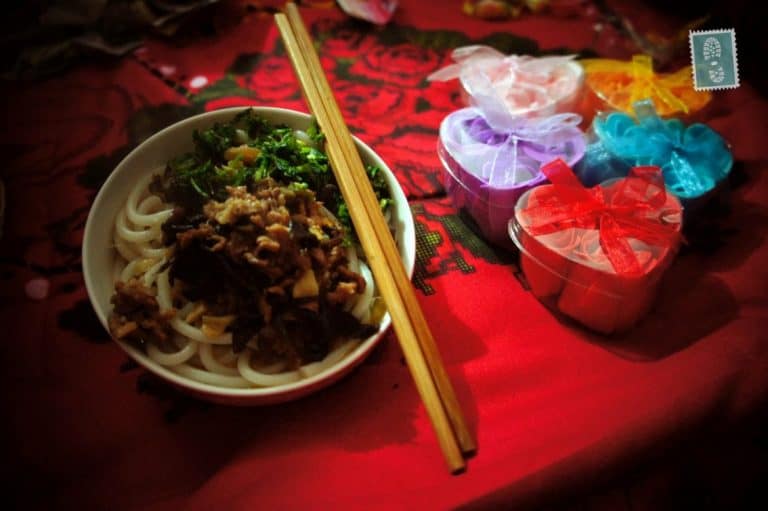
(629, 209)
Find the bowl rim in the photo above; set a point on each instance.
(269, 395)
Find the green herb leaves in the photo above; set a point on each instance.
(250, 148)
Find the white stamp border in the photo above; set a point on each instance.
(734, 49)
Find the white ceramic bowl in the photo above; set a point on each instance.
(99, 254)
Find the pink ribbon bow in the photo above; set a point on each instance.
(524, 85)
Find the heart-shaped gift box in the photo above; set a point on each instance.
(597, 254)
(521, 85)
(618, 84)
(694, 159)
(489, 160)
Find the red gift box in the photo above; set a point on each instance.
(597, 255)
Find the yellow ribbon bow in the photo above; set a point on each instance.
(622, 83)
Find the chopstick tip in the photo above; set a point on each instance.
(457, 471)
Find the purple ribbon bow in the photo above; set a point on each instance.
(511, 156)
(491, 167)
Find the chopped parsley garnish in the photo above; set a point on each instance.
(250, 148)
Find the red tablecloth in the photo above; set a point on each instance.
(555, 409)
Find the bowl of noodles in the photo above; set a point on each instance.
(220, 256)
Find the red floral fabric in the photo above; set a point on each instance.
(555, 410)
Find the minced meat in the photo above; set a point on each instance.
(270, 256)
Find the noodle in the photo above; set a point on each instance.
(172, 359)
(189, 352)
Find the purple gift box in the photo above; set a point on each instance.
(489, 161)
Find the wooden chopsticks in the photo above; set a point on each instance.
(412, 331)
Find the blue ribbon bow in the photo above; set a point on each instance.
(693, 160)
